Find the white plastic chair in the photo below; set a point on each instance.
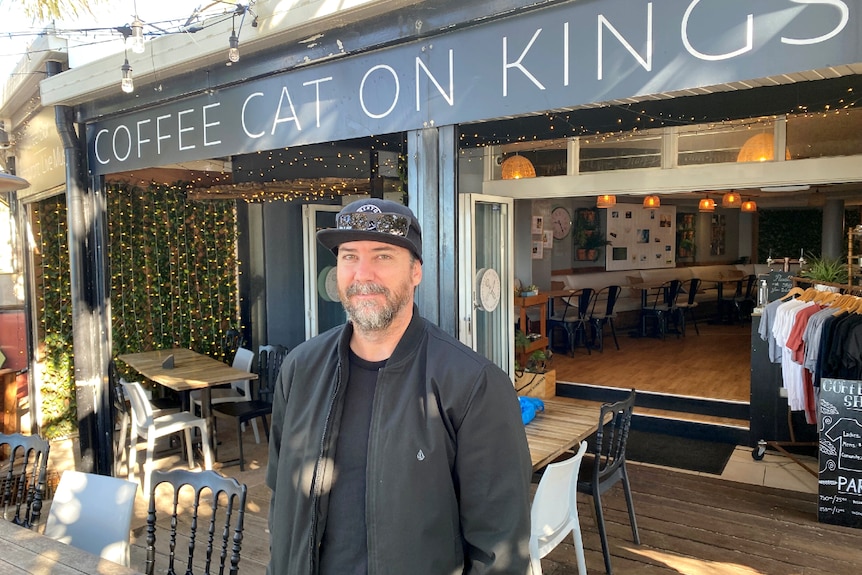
(150, 428)
(554, 512)
(238, 391)
(94, 513)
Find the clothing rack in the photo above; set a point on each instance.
(843, 302)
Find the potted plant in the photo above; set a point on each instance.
(530, 290)
(593, 242)
(825, 270)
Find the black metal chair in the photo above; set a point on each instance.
(212, 522)
(606, 465)
(746, 301)
(663, 307)
(24, 463)
(687, 307)
(605, 315)
(270, 359)
(572, 320)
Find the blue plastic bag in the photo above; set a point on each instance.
(529, 407)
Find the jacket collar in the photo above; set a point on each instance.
(406, 347)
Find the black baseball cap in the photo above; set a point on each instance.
(374, 220)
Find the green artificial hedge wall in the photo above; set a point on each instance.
(173, 270)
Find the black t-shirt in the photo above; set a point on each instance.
(344, 549)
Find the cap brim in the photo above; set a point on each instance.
(332, 238)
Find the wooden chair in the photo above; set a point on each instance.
(554, 512)
(231, 341)
(211, 524)
(94, 513)
(24, 462)
(606, 466)
(270, 359)
(573, 319)
(605, 315)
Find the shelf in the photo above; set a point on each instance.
(540, 301)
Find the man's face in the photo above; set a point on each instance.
(376, 282)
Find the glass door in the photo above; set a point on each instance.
(323, 308)
(486, 277)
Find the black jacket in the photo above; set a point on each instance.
(448, 479)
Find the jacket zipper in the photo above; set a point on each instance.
(318, 470)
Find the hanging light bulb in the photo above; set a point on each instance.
(706, 205)
(731, 200)
(606, 201)
(127, 84)
(233, 51)
(651, 202)
(749, 206)
(137, 37)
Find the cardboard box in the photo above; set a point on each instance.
(542, 385)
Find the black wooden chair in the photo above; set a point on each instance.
(270, 359)
(604, 315)
(24, 464)
(211, 523)
(606, 465)
(687, 307)
(231, 341)
(572, 320)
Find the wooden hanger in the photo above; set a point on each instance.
(794, 291)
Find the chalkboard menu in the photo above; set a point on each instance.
(779, 284)
(840, 478)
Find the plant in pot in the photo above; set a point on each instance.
(825, 270)
(593, 243)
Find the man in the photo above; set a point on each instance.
(394, 448)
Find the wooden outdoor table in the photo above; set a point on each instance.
(562, 425)
(191, 371)
(26, 552)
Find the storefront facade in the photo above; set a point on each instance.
(433, 76)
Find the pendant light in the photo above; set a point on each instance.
(651, 202)
(516, 167)
(706, 205)
(748, 206)
(606, 201)
(127, 84)
(731, 200)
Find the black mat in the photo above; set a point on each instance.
(678, 452)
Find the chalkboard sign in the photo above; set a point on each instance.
(779, 284)
(840, 478)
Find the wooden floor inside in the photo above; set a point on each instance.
(712, 365)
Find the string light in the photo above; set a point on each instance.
(137, 36)
(127, 84)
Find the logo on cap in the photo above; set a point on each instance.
(369, 208)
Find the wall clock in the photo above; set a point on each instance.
(487, 289)
(561, 220)
(327, 284)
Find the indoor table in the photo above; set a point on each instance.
(190, 371)
(556, 430)
(719, 282)
(26, 552)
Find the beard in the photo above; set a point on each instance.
(370, 315)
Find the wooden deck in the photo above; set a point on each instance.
(689, 524)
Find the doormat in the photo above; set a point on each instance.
(679, 452)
